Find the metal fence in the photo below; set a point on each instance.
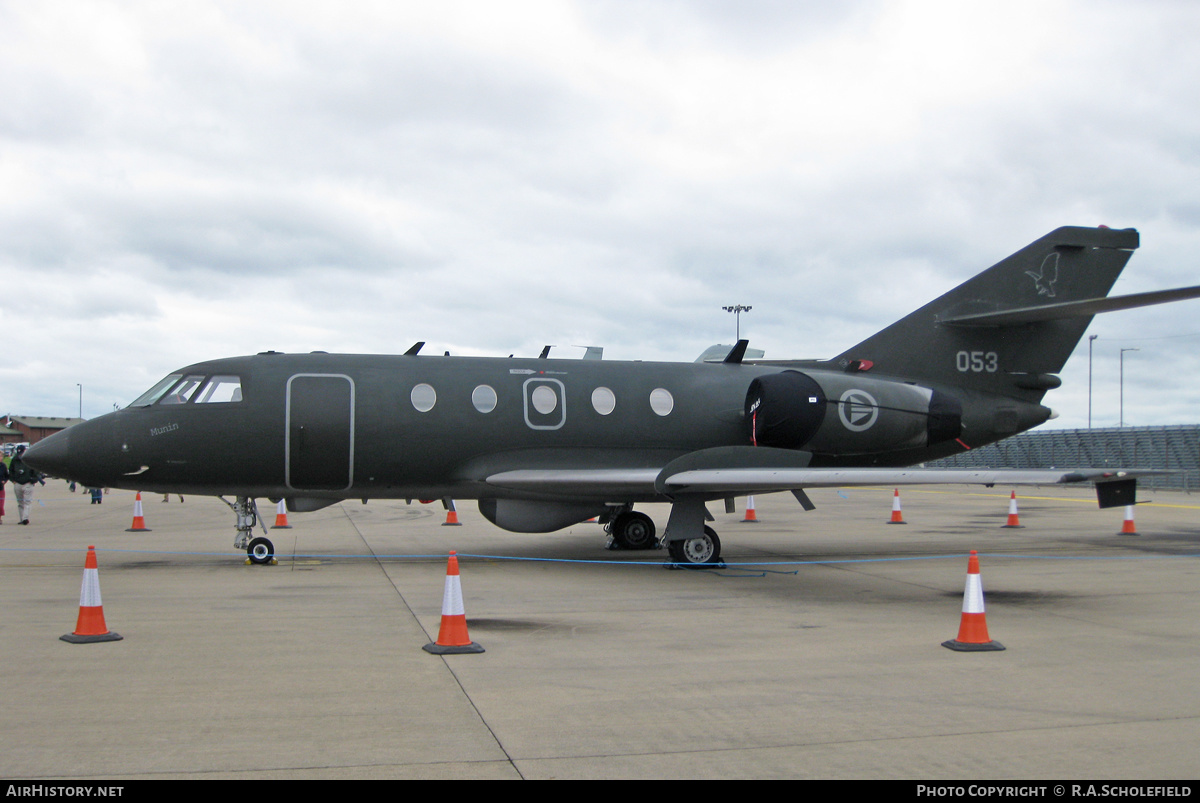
(1175, 447)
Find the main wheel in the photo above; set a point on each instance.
(633, 531)
(261, 551)
(697, 551)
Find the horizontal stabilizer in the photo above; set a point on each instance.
(1073, 309)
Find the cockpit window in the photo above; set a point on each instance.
(221, 389)
(179, 389)
(183, 391)
(155, 393)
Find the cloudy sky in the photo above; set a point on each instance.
(182, 181)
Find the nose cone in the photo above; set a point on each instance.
(51, 455)
(84, 453)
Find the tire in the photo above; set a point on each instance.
(261, 551)
(700, 551)
(634, 531)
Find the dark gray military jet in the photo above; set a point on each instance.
(546, 443)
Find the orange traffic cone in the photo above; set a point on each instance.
(751, 516)
(1128, 528)
(897, 516)
(451, 515)
(139, 521)
(1014, 521)
(452, 637)
(90, 626)
(972, 631)
(281, 522)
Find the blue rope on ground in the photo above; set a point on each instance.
(643, 563)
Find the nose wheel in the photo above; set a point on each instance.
(261, 551)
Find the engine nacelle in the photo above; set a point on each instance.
(848, 414)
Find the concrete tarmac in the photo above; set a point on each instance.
(816, 654)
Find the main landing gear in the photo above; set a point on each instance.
(260, 550)
(688, 540)
(704, 550)
(631, 530)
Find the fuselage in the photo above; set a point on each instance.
(328, 426)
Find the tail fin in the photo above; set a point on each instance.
(972, 337)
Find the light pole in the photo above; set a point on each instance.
(737, 310)
(1091, 340)
(80, 399)
(1123, 384)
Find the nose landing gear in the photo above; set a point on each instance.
(259, 551)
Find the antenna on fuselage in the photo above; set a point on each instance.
(735, 355)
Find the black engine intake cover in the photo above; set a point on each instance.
(784, 410)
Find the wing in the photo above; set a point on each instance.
(747, 480)
(736, 471)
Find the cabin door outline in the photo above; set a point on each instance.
(319, 432)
